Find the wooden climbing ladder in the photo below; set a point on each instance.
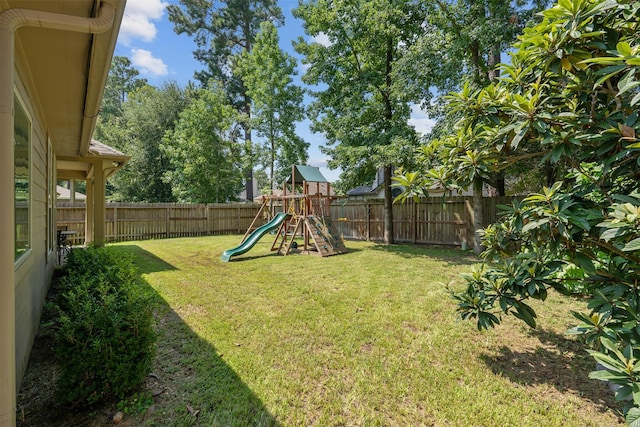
(286, 233)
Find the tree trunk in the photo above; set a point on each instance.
(494, 73)
(272, 160)
(478, 219)
(549, 173)
(494, 60)
(500, 184)
(388, 200)
(476, 65)
(388, 208)
(248, 173)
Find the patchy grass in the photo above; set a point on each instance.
(365, 338)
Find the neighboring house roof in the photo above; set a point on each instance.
(375, 189)
(65, 194)
(363, 190)
(242, 196)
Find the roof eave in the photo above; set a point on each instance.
(100, 64)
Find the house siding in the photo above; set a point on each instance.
(34, 269)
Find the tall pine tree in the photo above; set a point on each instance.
(277, 102)
(222, 30)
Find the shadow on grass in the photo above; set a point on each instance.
(145, 261)
(448, 255)
(191, 383)
(192, 378)
(562, 364)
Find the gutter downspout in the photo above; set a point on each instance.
(10, 21)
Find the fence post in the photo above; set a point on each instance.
(414, 218)
(206, 218)
(166, 223)
(368, 207)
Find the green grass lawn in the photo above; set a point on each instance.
(369, 338)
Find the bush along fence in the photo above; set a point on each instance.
(436, 220)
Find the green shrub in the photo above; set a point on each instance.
(105, 341)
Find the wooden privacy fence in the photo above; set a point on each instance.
(434, 220)
(141, 221)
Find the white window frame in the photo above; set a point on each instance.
(19, 259)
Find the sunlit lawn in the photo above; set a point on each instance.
(366, 338)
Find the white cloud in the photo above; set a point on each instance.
(144, 61)
(322, 38)
(137, 21)
(318, 162)
(420, 121)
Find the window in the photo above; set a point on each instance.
(22, 174)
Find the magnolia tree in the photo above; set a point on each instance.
(569, 97)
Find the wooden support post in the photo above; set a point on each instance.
(306, 202)
(99, 208)
(167, 223)
(293, 179)
(88, 213)
(414, 218)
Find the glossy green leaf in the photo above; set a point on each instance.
(633, 417)
(624, 49)
(526, 314)
(627, 82)
(633, 245)
(605, 375)
(584, 262)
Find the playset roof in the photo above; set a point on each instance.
(307, 173)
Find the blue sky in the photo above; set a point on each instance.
(148, 40)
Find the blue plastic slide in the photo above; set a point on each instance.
(256, 235)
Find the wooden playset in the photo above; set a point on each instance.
(301, 212)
